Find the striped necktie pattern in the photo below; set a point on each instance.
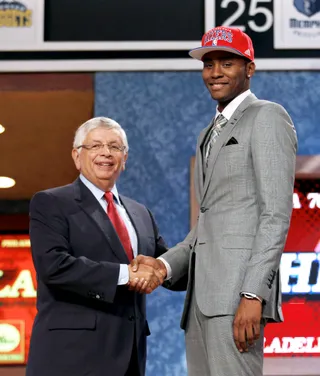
(219, 123)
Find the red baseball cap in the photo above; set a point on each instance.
(225, 39)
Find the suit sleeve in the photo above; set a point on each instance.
(52, 256)
(178, 259)
(161, 246)
(273, 145)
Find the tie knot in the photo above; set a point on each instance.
(220, 121)
(109, 196)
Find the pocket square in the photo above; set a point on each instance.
(232, 141)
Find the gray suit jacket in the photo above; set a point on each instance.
(245, 205)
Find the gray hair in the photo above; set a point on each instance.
(99, 122)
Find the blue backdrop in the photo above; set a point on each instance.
(162, 114)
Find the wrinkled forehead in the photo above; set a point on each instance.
(103, 134)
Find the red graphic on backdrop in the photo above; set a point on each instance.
(17, 297)
(299, 334)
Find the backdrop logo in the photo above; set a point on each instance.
(307, 7)
(306, 25)
(14, 14)
(12, 341)
(9, 337)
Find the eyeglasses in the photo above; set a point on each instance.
(113, 149)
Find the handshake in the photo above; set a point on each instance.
(146, 274)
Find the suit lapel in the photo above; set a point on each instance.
(89, 204)
(136, 221)
(204, 133)
(198, 172)
(222, 139)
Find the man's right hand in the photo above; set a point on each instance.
(141, 284)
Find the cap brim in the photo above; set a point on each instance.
(199, 52)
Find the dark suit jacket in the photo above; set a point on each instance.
(85, 323)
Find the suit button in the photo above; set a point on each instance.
(203, 209)
(131, 318)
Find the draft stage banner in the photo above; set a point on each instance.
(17, 298)
(21, 24)
(296, 24)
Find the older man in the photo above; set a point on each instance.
(83, 237)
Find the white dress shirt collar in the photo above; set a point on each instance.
(233, 105)
(97, 192)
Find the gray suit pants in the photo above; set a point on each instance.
(211, 350)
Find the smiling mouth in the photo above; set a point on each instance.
(105, 164)
(217, 86)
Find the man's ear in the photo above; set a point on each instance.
(76, 158)
(250, 69)
(125, 157)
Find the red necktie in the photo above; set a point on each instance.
(118, 225)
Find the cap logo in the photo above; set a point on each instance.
(247, 52)
(218, 34)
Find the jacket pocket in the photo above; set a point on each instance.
(72, 320)
(232, 148)
(232, 241)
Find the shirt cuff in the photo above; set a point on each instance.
(168, 267)
(123, 274)
(249, 295)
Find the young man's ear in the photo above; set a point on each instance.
(250, 68)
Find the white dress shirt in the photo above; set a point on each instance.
(99, 195)
(229, 110)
